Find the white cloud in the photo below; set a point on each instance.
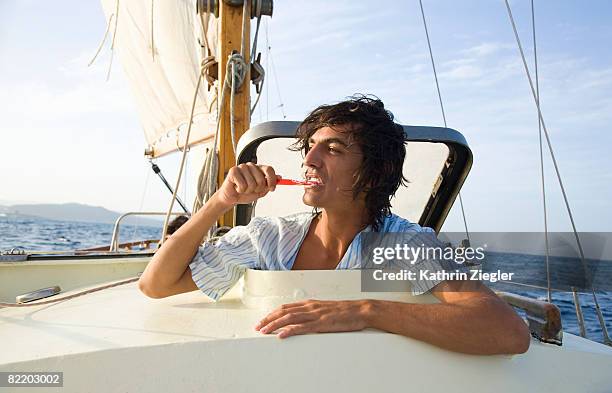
(487, 48)
(462, 72)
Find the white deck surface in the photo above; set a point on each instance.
(187, 342)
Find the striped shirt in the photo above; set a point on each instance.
(272, 243)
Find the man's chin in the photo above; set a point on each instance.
(312, 202)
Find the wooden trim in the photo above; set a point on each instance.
(230, 36)
(543, 318)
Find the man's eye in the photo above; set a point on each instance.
(333, 149)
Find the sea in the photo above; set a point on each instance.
(36, 234)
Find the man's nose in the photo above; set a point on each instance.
(313, 157)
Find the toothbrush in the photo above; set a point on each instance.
(291, 182)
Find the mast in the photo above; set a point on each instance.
(231, 40)
(234, 27)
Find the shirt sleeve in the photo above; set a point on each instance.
(216, 267)
(429, 263)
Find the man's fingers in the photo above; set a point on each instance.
(269, 318)
(271, 177)
(293, 330)
(248, 177)
(239, 180)
(301, 303)
(287, 319)
(278, 313)
(258, 176)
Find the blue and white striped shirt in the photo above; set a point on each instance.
(269, 243)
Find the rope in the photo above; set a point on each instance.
(114, 16)
(233, 80)
(259, 81)
(204, 23)
(433, 66)
(110, 63)
(554, 160)
(236, 63)
(210, 166)
(246, 9)
(152, 36)
(537, 80)
(211, 162)
(204, 186)
(206, 179)
(183, 158)
(207, 63)
(108, 25)
(82, 293)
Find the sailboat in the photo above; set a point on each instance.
(97, 329)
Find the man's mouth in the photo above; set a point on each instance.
(316, 180)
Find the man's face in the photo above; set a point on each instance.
(333, 162)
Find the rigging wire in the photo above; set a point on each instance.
(280, 99)
(607, 340)
(142, 199)
(433, 66)
(537, 80)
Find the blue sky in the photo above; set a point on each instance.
(69, 136)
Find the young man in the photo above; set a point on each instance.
(354, 152)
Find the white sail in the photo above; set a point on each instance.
(160, 46)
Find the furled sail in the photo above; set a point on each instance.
(161, 45)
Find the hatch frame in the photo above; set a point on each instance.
(441, 200)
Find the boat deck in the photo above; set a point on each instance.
(191, 341)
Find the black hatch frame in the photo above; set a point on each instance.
(440, 201)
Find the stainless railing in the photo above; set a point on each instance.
(115, 238)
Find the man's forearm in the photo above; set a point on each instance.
(479, 326)
(169, 264)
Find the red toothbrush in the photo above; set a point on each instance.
(290, 182)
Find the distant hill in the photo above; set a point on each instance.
(75, 212)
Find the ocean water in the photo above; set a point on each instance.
(38, 234)
(50, 235)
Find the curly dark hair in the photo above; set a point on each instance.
(175, 224)
(382, 142)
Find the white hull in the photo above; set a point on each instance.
(17, 278)
(118, 340)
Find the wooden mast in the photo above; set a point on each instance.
(230, 39)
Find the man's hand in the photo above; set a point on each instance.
(315, 316)
(246, 183)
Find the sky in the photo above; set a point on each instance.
(67, 135)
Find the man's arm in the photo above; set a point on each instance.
(168, 271)
(473, 320)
